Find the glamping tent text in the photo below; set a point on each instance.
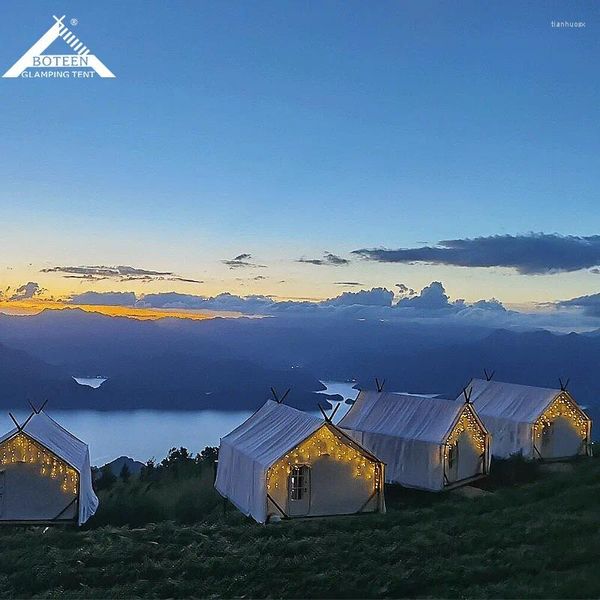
(426, 443)
(45, 475)
(539, 423)
(285, 462)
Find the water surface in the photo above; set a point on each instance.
(144, 434)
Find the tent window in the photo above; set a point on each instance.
(452, 454)
(299, 482)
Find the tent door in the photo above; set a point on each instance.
(299, 491)
(559, 439)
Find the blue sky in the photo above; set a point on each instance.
(287, 129)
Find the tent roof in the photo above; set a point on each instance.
(271, 431)
(512, 401)
(55, 438)
(402, 415)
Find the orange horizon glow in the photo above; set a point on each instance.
(34, 307)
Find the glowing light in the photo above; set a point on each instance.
(22, 448)
(467, 422)
(325, 443)
(562, 406)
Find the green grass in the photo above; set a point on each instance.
(536, 540)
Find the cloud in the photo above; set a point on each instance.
(528, 254)
(373, 297)
(223, 302)
(348, 283)
(241, 261)
(329, 259)
(491, 304)
(120, 273)
(431, 306)
(104, 298)
(589, 305)
(27, 291)
(405, 290)
(432, 297)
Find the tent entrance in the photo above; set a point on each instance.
(299, 491)
(465, 450)
(561, 431)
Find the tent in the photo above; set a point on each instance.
(426, 443)
(45, 474)
(285, 462)
(539, 423)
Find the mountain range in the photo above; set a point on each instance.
(230, 364)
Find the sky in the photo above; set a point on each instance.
(276, 148)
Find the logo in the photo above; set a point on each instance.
(79, 63)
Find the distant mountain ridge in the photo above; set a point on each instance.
(230, 364)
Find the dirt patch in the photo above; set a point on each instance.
(468, 491)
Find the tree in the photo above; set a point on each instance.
(149, 472)
(178, 461)
(107, 478)
(125, 473)
(209, 455)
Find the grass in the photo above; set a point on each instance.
(539, 539)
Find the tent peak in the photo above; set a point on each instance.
(276, 396)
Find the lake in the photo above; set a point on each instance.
(143, 434)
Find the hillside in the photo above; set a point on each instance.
(536, 540)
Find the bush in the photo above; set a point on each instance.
(515, 470)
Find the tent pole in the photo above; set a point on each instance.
(65, 509)
(278, 507)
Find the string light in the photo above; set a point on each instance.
(22, 448)
(325, 443)
(562, 406)
(467, 422)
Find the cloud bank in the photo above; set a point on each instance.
(529, 254)
(589, 305)
(121, 273)
(329, 259)
(241, 261)
(27, 291)
(431, 305)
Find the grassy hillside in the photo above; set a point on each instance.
(534, 540)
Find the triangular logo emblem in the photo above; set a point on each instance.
(81, 58)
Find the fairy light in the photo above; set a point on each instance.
(22, 448)
(325, 443)
(467, 422)
(562, 406)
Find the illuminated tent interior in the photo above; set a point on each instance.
(539, 423)
(287, 463)
(45, 474)
(426, 443)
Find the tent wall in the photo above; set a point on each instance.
(28, 496)
(423, 464)
(509, 437)
(243, 481)
(44, 442)
(334, 489)
(412, 463)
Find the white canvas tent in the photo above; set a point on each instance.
(539, 423)
(285, 462)
(426, 443)
(45, 474)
